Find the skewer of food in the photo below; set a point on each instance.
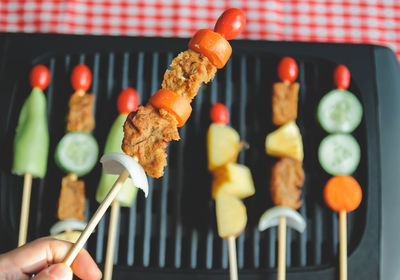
(127, 102)
(148, 131)
(340, 113)
(287, 174)
(31, 143)
(231, 181)
(76, 154)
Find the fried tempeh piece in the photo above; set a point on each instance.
(80, 115)
(71, 203)
(284, 102)
(286, 181)
(146, 135)
(188, 71)
(148, 131)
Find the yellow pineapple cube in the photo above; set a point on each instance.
(231, 215)
(70, 236)
(233, 178)
(285, 142)
(223, 145)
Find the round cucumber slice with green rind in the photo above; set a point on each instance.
(339, 154)
(77, 153)
(339, 111)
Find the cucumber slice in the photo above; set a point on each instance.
(77, 153)
(339, 154)
(339, 111)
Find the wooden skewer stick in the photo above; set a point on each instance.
(112, 232)
(343, 244)
(282, 248)
(96, 218)
(25, 204)
(233, 270)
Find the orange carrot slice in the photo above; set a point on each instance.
(174, 103)
(342, 193)
(212, 45)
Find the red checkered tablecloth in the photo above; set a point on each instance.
(357, 21)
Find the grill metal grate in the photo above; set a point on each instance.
(174, 229)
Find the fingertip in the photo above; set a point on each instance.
(55, 272)
(85, 267)
(60, 272)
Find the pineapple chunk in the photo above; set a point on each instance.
(71, 236)
(231, 215)
(285, 141)
(223, 145)
(233, 178)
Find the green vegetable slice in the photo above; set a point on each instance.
(31, 142)
(339, 154)
(339, 111)
(127, 195)
(77, 153)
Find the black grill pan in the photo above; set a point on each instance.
(172, 233)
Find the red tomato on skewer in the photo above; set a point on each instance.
(81, 77)
(40, 76)
(231, 23)
(128, 101)
(219, 113)
(287, 69)
(341, 77)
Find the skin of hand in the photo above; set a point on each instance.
(43, 257)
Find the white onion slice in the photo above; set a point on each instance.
(116, 163)
(270, 218)
(63, 225)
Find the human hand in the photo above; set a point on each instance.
(45, 255)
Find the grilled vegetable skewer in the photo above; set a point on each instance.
(76, 154)
(287, 174)
(340, 112)
(31, 143)
(231, 181)
(148, 131)
(127, 102)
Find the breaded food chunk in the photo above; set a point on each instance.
(80, 116)
(286, 182)
(71, 203)
(188, 71)
(284, 102)
(147, 133)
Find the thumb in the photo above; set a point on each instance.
(55, 272)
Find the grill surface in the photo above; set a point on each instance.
(172, 233)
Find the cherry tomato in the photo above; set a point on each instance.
(288, 70)
(40, 76)
(219, 113)
(81, 77)
(341, 77)
(231, 23)
(128, 101)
